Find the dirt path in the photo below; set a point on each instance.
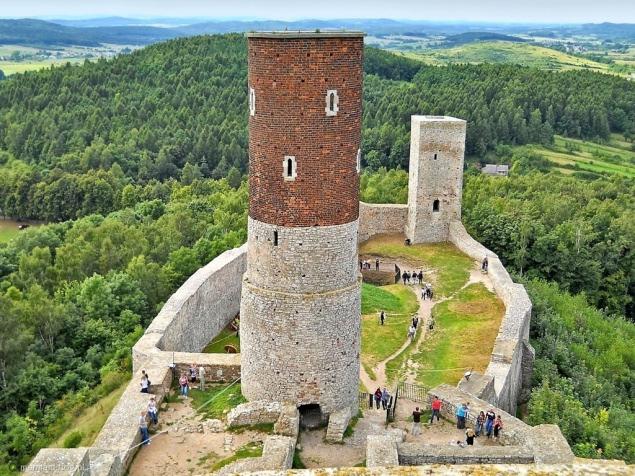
(188, 447)
(424, 314)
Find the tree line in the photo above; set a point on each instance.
(75, 296)
(180, 108)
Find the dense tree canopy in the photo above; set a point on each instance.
(179, 110)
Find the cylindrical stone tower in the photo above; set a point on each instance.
(437, 147)
(300, 309)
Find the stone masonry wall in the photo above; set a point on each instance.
(305, 347)
(512, 357)
(198, 310)
(377, 219)
(435, 181)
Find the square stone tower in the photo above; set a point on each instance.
(437, 147)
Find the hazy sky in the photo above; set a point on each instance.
(545, 11)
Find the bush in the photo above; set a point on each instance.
(73, 439)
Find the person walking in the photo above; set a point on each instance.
(153, 411)
(480, 423)
(415, 322)
(376, 264)
(201, 377)
(498, 427)
(485, 264)
(460, 417)
(382, 317)
(420, 277)
(416, 422)
(489, 422)
(184, 385)
(424, 293)
(403, 276)
(411, 333)
(143, 427)
(145, 383)
(193, 373)
(469, 437)
(378, 397)
(384, 398)
(436, 409)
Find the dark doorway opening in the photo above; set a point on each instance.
(311, 417)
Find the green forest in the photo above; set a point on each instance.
(138, 165)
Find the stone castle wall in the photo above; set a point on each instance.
(512, 358)
(378, 219)
(198, 310)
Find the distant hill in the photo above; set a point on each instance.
(42, 33)
(473, 36)
(507, 52)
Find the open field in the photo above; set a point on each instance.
(13, 67)
(507, 52)
(573, 154)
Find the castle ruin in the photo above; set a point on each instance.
(296, 284)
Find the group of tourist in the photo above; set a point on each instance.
(365, 264)
(382, 397)
(151, 414)
(412, 278)
(488, 423)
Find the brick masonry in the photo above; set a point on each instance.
(291, 77)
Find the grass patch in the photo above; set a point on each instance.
(450, 265)
(465, 329)
(260, 427)
(89, 422)
(380, 342)
(250, 450)
(217, 346)
(222, 403)
(350, 429)
(392, 299)
(297, 461)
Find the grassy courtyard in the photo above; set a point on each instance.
(466, 321)
(463, 337)
(379, 342)
(450, 268)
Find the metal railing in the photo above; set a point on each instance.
(410, 391)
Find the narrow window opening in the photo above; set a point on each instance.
(252, 102)
(435, 206)
(332, 102)
(435, 156)
(359, 160)
(289, 168)
(275, 238)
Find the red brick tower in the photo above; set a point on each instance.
(300, 310)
